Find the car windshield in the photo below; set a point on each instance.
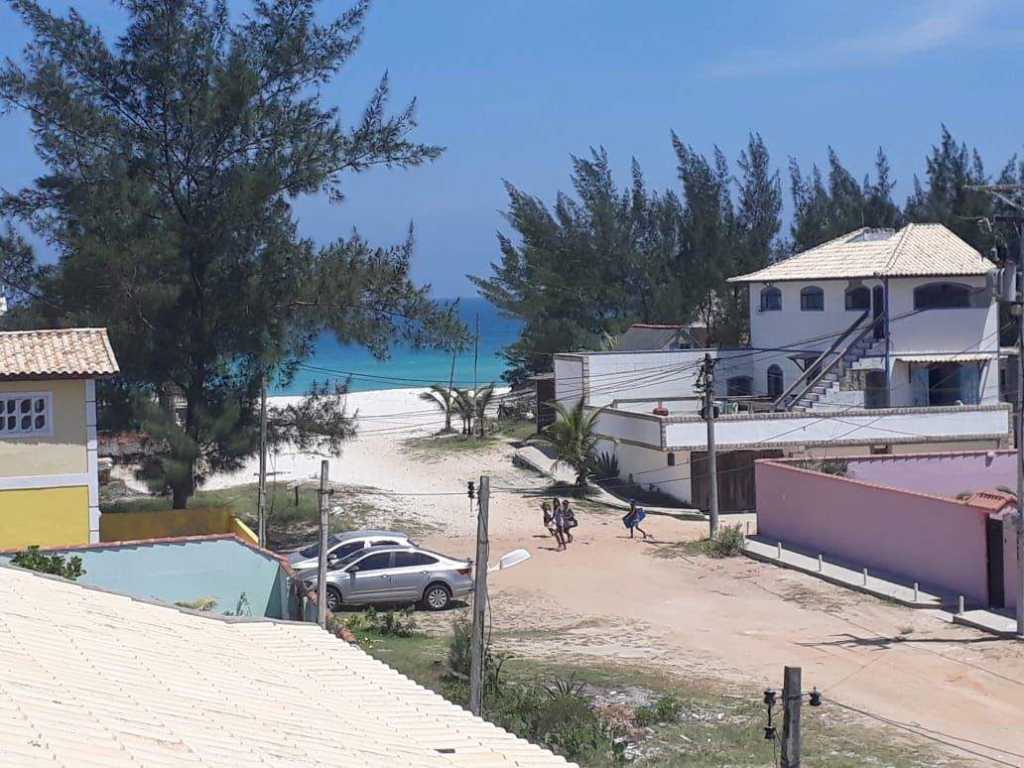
(313, 550)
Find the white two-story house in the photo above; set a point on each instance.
(909, 316)
(878, 341)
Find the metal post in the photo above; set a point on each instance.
(1019, 307)
(791, 700)
(321, 582)
(476, 671)
(709, 417)
(261, 488)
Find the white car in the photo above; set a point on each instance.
(342, 545)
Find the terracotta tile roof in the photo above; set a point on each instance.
(991, 500)
(122, 682)
(917, 250)
(66, 352)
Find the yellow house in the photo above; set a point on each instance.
(49, 490)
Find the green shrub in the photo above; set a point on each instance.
(34, 560)
(728, 543)
(387, 623)
(665, 710)
(605, 466)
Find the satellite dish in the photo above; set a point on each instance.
(510, 560)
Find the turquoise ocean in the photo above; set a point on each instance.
(410, 367)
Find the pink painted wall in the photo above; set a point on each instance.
(938, 474)
(933, 541)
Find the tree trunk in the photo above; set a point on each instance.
(180, 496)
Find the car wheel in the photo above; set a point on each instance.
(333, 599)
(436, 597)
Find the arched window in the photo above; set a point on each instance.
(771, 299)
(942, 296)
(858, 298)
(775, 381)
(812, 299)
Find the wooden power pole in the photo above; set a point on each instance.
(791, 699)
(261, 487)
(321, 571)
(708, 375)
(476, 668)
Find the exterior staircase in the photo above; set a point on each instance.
(825, 374)
(832, 381)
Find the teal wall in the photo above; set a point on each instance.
(223, 569)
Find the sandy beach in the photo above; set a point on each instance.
(398, 477)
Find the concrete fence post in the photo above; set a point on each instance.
(917, 589)
(960, 604)
(779, 547)
(865, 577)
(820, 563)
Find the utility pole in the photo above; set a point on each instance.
(708, 377)
(321, 571)
(261, 487)
(1012, 197)
(791, 700)
(477, 658)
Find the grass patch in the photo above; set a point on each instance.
(729, 543)
(436, 447)
(679, 722)
(288, 524)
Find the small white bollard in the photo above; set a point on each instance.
(960, 604)
(748, 527)
(778, 544)
(916, 590)
(820, 563)
(865, 577)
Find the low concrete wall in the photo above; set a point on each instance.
(938, 542)
(170, 523)
(185, 570)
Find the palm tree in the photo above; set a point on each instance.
(463, 405)
(443, 398)
(482, 400)
(573, 437)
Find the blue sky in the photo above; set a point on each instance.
(513, 88)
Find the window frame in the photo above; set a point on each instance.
(807, 292)
(963, 288)
(18, 433)
(857, 289)
(770, 290)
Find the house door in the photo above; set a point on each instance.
(994, 546)
(878, 310)
(736, 492)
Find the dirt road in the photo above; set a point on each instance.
(740, 621)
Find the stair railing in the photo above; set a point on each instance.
(785, 400)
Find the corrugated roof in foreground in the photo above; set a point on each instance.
(65, 352)
(917, 250)
(89, 678)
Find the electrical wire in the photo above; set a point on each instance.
(945, 739)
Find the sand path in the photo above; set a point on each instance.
(734, 620)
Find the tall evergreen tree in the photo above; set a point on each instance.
(171, 162)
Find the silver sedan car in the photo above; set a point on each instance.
(406, 574)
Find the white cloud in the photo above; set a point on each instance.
(939, 24)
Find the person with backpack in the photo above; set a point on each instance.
(558, 520)
(633, 518)
(569, 520)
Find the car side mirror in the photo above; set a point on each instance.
(353, 569)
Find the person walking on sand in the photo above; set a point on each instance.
(558, 518)
(549, 518)
(633, 518)
(569, 520)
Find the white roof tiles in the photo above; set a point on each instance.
(119, 682)
(917, 250)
